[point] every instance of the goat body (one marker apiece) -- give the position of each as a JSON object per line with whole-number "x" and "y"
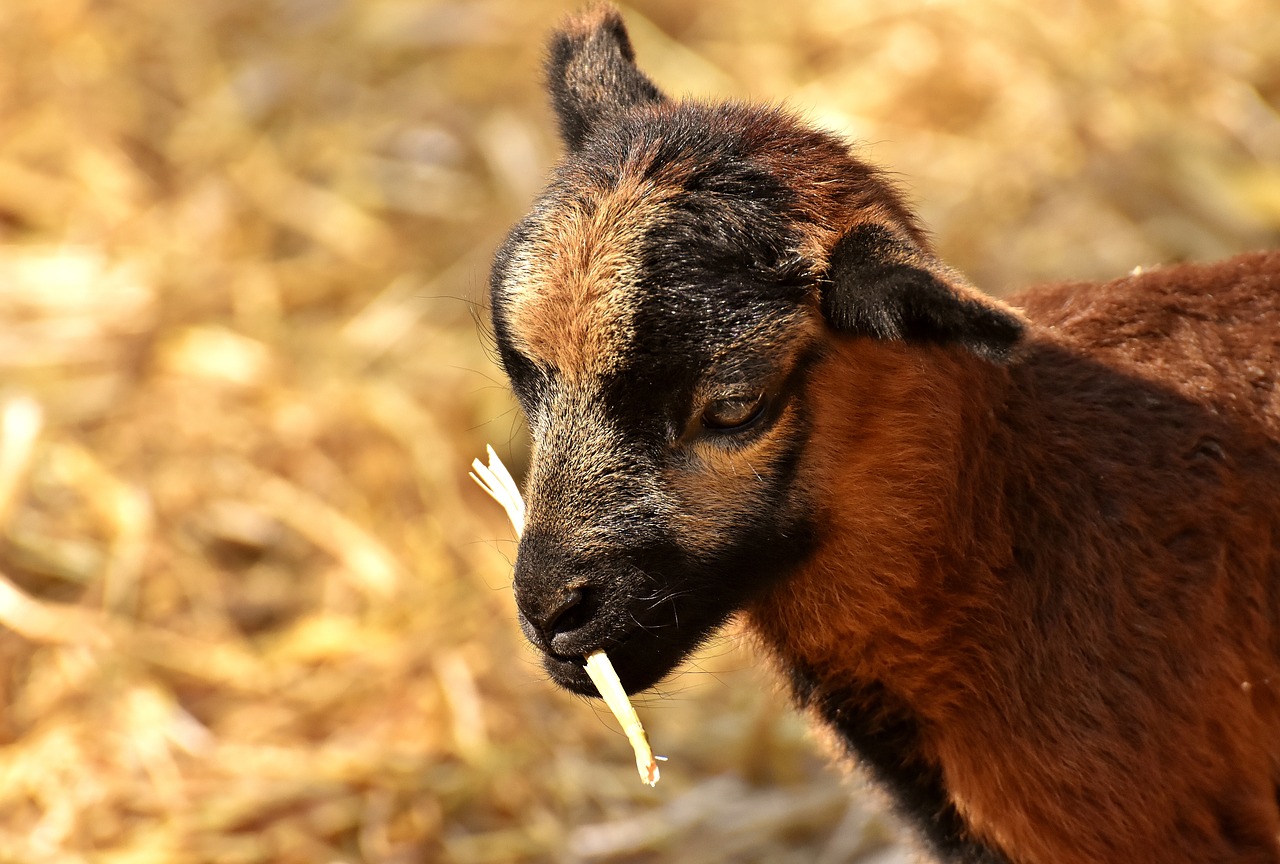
{"x": 1021, "y": 560}
{"x": 1044, "y": 606}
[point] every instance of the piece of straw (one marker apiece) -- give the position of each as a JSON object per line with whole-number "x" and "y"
{"x": 606, "y": 681}
{"x": 496, "y": 480}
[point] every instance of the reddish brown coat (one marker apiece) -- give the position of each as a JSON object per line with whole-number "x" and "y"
{"x": 1067, "y": 568}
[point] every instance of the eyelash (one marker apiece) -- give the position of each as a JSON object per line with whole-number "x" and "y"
{"x": 738, "y": 415}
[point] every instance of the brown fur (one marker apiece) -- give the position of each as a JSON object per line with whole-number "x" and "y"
{"x": 1068, "y": 568}
{"x": 572, "y": 306}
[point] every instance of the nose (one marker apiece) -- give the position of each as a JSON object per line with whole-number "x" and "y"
{"x": 555, "y": 612}
{"x": 554, "y": 594}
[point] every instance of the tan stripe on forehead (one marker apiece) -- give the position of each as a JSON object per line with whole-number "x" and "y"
{"x": 573, "y": 297}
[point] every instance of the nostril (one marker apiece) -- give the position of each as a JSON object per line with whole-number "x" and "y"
{"x": 564, "y": 616}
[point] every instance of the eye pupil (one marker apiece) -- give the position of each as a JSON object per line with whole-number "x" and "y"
{"x": 726, "y": 415}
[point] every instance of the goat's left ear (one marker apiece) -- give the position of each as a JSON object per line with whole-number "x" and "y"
{"x": 882, "y": 285}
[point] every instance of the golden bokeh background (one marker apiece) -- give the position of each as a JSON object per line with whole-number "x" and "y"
{"x": 251, "y": 607}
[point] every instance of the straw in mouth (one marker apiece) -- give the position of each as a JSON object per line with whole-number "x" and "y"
{"x": 497, "y": 481}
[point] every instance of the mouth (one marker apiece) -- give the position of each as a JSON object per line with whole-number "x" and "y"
{"x": 571, "y": 674}
{"x": 641, "y": 658}
{"x": 635, "y": 671}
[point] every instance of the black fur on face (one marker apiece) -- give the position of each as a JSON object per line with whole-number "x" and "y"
{"x": 658, "y": 314}
{"x": 649, "y": 520}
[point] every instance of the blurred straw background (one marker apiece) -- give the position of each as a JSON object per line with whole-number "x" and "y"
{"x": 251, "y": 608}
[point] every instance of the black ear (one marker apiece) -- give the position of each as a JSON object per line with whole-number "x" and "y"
{"x": 881, "y": 285}
{"x": 591, "y": 73}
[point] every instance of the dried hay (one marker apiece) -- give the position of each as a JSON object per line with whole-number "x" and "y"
{"x": 252, "y": 608}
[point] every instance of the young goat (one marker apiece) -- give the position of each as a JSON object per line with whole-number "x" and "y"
{"x": 1023, "y": 560}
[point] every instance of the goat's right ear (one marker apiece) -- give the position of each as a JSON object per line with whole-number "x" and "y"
{"x": 883, "y": 285}
{"x": 592, "y": 73}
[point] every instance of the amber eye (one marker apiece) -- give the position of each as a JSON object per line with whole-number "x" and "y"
{"x": 734, "y": 414}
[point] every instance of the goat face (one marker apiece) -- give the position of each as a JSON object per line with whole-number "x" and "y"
{"x": 659, "y": 314}
{"x": 657, "y": 330}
